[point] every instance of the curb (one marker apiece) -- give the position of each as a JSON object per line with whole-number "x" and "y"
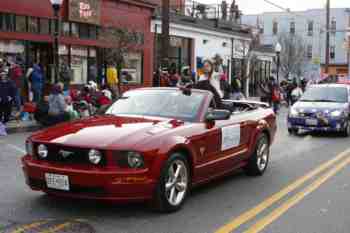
{"x": 13, "y": 130}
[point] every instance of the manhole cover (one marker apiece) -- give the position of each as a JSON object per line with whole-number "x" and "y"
{"x": 51, "y": 226}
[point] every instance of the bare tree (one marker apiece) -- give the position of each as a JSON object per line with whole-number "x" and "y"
{"x": 293, "y": 57}
{"x": 120, "y": 43}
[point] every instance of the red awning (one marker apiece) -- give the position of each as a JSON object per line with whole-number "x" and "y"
{"x": 39, "y": 8}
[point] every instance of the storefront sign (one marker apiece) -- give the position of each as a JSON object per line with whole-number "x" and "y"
{"x": 85, "y": 11}
{"x": 240, "y": 49}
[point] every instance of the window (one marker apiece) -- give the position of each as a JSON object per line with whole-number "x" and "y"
{"x": 332, "y": 52}
{"x": 33, "y": 25}
{"x": 309, "y": 51}
{"x": 65, "y": 30}
{"x": 132, "y": 69}
{"x": 7, "y": 22}
{"x": 261, "y": 30}
{"x": 292, "y": 28}
{"x": 44, "y": 26}
{"x": 333, "y": 25}
{"x": 84, "y": 31}
{"x": 310, "y": 28}
{"x": 21, "y": 23}
{"x": 74, "y": 30}
{"x": 275, "y": 28}
{"x": 93, "y": 32}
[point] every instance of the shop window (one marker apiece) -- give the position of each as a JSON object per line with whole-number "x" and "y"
{"x": 65, "y": 29}
{"x": 79, "y": 64}
{"x": 21, "y": 23}
{"x": 84, "y": 31}
{"x": 74, "y": 30}
{"x": 33, "y": 25}
{"x": 44, "y": 26}
{"x": 132, "y": 69}
{"x": 332, "y": 52}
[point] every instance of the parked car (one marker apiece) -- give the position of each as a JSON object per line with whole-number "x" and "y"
{"x": 152, "y": 144}
{"x": 323, "y": 107}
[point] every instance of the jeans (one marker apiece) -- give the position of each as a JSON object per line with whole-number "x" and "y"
{"x": 36, "y": 95}
{"x": 5, "y": 111}
{"x": 18, "y": 99}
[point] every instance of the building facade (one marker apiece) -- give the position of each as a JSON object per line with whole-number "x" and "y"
{"x": 310, "y": 25}
{"x": 88, "y": 30}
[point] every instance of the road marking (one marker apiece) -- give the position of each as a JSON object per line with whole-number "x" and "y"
{"x": 261, "y": 224}
{"x": 56, "y": 228}
{"x": 250, "y": 214}
{"x": 17, "y": 148}
{"x": 24, "y": 228}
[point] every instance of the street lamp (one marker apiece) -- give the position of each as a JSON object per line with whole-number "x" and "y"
{"x": 278, "y": 49}
{"x": 56, "y": 5}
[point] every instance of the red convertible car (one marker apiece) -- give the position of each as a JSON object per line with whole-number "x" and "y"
{"x": 152, "y": 144}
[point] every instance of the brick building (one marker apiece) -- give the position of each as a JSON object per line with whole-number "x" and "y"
{"x": 26, "y": 29}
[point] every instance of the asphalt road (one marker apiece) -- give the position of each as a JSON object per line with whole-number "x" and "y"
{"x": 287, "y": 199}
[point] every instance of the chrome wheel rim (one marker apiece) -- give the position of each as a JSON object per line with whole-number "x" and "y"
{"x": 263, "y": 155}
{"x": 176, "y": 182}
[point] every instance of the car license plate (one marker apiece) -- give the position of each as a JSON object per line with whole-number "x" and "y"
{"x": 312, "y": 122}
{"x": 54, "y": 181}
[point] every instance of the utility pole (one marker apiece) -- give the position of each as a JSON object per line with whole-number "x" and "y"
{"x": 327, "y": 35}
{"x": 165, "y": 33}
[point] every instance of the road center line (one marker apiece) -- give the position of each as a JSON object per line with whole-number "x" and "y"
{"x": 27, "y": 227}
{"x": 250, "y": 214}
{"x": 56, "y": 228}
{"x": 261, "y": 224}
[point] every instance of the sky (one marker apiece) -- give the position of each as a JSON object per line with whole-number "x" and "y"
{"x": 259, "y": 6}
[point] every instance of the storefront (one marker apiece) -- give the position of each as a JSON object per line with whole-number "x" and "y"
{"x": 26, "y": 29}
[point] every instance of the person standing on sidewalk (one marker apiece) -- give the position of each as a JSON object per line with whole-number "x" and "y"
{"x": 7, "y": 96}
{"x": 36, "y": 80}
{"x": 112, "y": 80}
{"x": 16, "y": 75}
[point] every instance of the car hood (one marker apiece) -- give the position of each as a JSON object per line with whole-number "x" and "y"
{"x": 106, "y": 131}
{"x": 319, "y": 106}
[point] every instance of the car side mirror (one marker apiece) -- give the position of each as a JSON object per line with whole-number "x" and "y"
{"x": 217, "y": 115}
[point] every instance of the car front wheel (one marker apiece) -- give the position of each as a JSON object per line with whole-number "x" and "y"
{"x": 173, "y": 184}
{"x": 260, "y": 158}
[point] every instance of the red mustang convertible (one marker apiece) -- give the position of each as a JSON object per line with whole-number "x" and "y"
{"x": 152, "y": 144}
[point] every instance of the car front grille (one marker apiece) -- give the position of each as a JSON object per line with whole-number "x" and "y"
{"x": 70, "y": 155}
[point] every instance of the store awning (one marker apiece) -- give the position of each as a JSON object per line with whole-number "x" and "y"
{"x": 39, "y": 8}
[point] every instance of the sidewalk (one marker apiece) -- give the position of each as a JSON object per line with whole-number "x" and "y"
{"x": 21, "y": 126}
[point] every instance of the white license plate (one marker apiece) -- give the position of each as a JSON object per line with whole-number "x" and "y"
{"x": 54, "y": 181}
{"x": 312, "y": 122}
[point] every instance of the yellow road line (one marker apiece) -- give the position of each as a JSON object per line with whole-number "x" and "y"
{"x": 260, "y": 225}
{"x": 248, "y": 215}
{"x": 24, "y": 228}
{"x": 56, "y": 228}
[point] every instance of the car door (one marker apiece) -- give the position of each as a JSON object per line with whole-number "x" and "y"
{"x": 222, "y": 146}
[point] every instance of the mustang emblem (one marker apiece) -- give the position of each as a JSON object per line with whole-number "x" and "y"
{"x": 65, "y": 154}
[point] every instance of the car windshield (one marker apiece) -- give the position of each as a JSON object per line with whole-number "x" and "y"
{"x": 325, "y": 94}
{"x": 159, "y": 103}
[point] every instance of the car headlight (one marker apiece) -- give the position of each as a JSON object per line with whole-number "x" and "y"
{"x": 293, "y": 112}
{"x": 135, "y": 160}
{"x": 337, "y": 113}
{"x": 95, "y": 156}
{"x": 29, "y": 147}
{"x": 42, "y": 151}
